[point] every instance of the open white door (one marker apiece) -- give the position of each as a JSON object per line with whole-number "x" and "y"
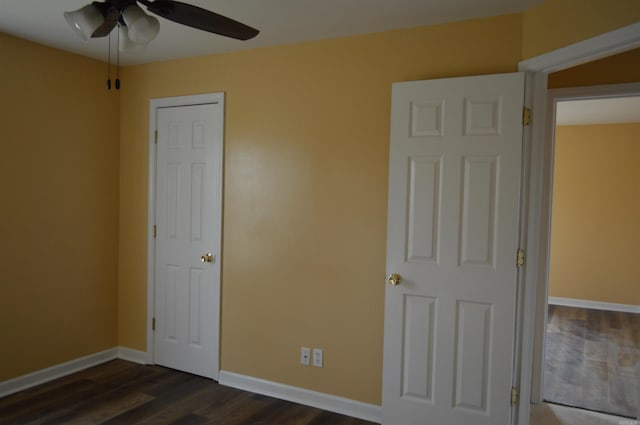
{"x": 454, "y": 195}
{"x": 188, "y": 218}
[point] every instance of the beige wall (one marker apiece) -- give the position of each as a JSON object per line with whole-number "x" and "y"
{"x": 305, "y": 198}
{"x": 616, "y": 69}
{"x": 305, "y": 191}
{"x": 558, "y": 23}
{"x": 596, "y": 205}
{"x": 305, "y": 185}
{"x": 59, "y": 214}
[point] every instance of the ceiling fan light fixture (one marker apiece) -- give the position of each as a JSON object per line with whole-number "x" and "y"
{"x": 126, "y": 44}
{"x": 142, "y": 28}
{"x": 85, "y": 21}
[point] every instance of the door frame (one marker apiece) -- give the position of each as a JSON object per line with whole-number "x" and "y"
{"x": 536, "y": 203}
{"x": 154, "y": 105}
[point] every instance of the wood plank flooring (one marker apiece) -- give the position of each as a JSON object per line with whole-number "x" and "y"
{"x": 592, "y": 358}
{"x": 121, "y": 392}
{"x": 556, "y": 414}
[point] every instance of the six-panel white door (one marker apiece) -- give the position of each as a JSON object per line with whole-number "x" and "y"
{"x": 188, "y": 218}
{"x": 454, "y": 196}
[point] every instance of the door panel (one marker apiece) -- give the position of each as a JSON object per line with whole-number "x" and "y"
{"x": 419, "y": 319}
{"x": 454, "y": 183}
{"x": 424, "y": 209}
{"x": 188, "y": 216}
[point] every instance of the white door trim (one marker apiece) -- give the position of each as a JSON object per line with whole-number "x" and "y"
{"x": 611, "y": 43}
{"x": 537, "y": 202}
{"x": 154, "y": 105}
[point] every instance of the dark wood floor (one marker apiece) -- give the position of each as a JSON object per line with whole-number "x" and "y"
{"x": 592, "y": 358}
{"x": 120, "y": 392}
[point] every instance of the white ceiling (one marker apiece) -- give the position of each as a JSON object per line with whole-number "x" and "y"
{"x": 280, "y": 22}
{"x": 598, "y": 111}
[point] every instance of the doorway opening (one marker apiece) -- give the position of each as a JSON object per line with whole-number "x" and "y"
{"x": 592, "y": 348}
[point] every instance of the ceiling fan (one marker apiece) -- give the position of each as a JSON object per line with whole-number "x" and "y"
{"x": 98, "y": 19}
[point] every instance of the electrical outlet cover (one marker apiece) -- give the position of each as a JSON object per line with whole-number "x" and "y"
{"x": 305, "y": 356}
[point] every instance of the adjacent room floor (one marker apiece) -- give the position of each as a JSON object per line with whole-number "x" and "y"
{"x": 591, "y": 359}
{"x": 554, "y": 414}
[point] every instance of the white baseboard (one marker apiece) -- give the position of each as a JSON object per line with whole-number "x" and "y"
{"x": 597, "y": 305}
{"x": 344, "y": 406}
{"x": 134, "y": 356}
{"x": 54, "y": 372}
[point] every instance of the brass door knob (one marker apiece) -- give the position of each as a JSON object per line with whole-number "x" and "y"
{"x": 394, "y": 279}
{"x": 207, "y": 258}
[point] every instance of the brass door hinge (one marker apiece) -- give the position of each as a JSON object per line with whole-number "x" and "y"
{"x": 515, "y": 396}
{"x": 155, "y": 230}
{"x": 526, "y": 116}
{"x": 519, "y": 258}
{"x": 155, "y": 137}
{"x": 153, "y": 324}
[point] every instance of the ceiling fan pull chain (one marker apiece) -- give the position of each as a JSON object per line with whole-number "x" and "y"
{"x": 118, "y": 61}
{"x": 109, "y": 62}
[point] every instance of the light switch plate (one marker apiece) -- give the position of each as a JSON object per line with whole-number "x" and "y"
{"x": 318, "y": 357}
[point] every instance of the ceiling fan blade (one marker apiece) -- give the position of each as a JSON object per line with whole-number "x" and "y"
{"x": 110, "y": 15}
{"x": 199, "y": 18}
